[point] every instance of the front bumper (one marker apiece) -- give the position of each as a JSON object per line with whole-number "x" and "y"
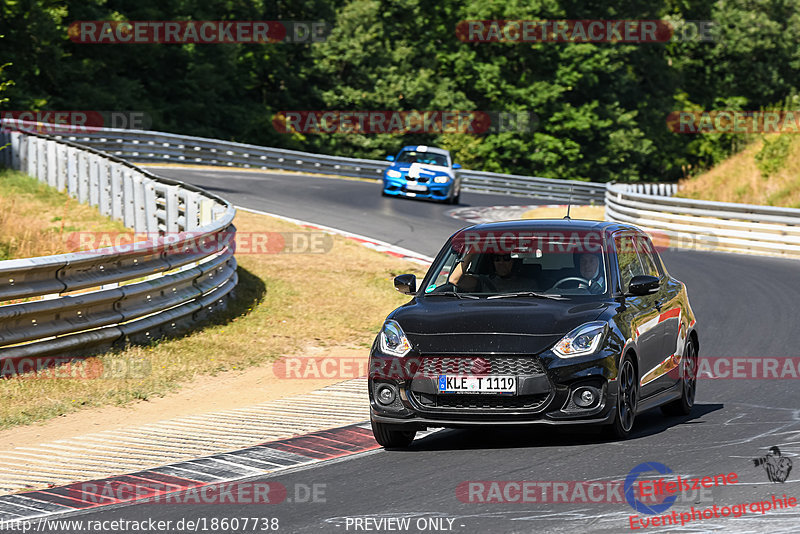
{"x": 545, "y": 390}
{"x": 433, "y": 191}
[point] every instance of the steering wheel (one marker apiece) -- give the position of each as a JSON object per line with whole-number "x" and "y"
{"x": 581, "y": 281}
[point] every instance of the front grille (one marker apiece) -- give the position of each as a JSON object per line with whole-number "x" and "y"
{"x": 482, "y": 365}
{"x": 479, "y": 402}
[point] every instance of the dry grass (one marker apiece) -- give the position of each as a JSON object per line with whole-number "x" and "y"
{"x": 738, "y": 179}
{"x": 36, "y": 220}
{"x": 284, "y": 303}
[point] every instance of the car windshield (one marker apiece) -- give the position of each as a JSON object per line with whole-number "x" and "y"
{"x": 428, "y": 158}
{"x": 511, "y": 265}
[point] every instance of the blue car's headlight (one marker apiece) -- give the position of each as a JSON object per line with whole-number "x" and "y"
{"x": 581, "y": 341}
{"x": 391, "y": 173}
{"x": 441, "y": 179}
{"x": 393, "y": 340}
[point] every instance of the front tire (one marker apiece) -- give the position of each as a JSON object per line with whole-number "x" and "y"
{"x": 683, "y": 406}
{"x": 627, "y": 399}
{"x": 455, "y": 195}
{"x": 390, "y": 437}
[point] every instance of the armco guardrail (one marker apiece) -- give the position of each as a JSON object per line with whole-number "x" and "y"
{"x": 660, "y": 189}
{"x": 157, "y": 147}
{"x": 151, "y": 288}
{"x": 709, "y": 225}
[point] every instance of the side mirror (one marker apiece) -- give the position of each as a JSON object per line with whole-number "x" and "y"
{"x": 389, "y": 158}
{"x": 456, "y": 166}
{"x": 406, "y": 284}
{"x": 643, "y": 284}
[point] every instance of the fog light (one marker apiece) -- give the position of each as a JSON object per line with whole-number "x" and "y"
{"x": 585, "y": 397}
{"x": 386, "y": 394}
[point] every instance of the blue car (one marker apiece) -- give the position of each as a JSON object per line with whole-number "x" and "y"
{"x": 423, "y": 172}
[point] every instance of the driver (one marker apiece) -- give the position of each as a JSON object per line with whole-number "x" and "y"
{"x": 590, "y": 269}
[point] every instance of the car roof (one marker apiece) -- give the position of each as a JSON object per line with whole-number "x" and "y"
{"x": 425, "y": 148}
{"x": 556, "y": 225}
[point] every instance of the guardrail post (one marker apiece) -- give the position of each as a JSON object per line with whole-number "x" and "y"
{"x": 41, "y": 160}
{"x": 52, "y": 167}
{"x": 61, "y": 166}
{"x": 171, "y": 218}
{"x": 15, "y": 150}
{"x": 72, "y": 168}
{"x": 191, "y": 201}
{"x": 104, "y": 188}
{"x": 4, "y": 150}
{"x": 206, "y": 212}
{"x": 23, "y": 153}
{"x": 150, "y": 207}
{"x": 128, "y": 205}
{"x": 116, "y": 198}
{"x": 84, "y": 180}
{"x": 139, "y": 209}
{"x": 30, "y": 153}
{"x": 93, "y": 182}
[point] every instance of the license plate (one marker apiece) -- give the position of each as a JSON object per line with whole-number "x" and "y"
{"x": 478, "y": 384}
{"x": 416, "y": 187}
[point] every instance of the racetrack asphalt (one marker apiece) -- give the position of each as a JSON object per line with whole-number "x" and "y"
{"x": 745, "y": 307}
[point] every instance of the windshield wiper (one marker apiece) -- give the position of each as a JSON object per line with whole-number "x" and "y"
{"x": 453, "y": 293}
{"x": 526, "y": 294}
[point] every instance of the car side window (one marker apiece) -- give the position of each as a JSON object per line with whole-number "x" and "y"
{"x": 628, "y": 259}
{"x": 646, "y": 256}
{"x": 445, "y": 271}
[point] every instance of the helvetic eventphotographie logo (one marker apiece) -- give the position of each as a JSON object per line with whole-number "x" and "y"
{"x": 776, "y": 465}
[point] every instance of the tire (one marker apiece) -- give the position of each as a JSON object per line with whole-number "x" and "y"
{"x": 390, "y": 437}
{"x": 683, "y": 406}
{"x": 627, "y": 399}
{"x": 455, "y": 195}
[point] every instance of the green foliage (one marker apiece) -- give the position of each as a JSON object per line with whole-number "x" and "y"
{"x": 601, "y": 107}
{"x": 772, "y": 156}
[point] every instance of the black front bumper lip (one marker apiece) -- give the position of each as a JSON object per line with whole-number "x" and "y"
{"x": 488, "y": 420}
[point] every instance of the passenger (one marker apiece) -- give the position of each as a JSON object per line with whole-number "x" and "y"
{"x": 502, "y": 278}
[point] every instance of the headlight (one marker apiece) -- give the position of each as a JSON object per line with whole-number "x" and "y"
{"x": 581, "y": 341}
{"x": 393, "y": 340}
{"x": 441, "y": 179}
{"x": 391, "y": 173}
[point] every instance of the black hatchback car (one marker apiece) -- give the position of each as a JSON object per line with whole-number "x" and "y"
{"x": 557, "y": 322}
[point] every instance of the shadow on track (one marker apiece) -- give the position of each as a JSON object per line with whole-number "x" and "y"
{"x": 647, "y": 424}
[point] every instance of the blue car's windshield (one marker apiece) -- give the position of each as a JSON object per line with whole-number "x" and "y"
{"x": 412, "y": 156}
